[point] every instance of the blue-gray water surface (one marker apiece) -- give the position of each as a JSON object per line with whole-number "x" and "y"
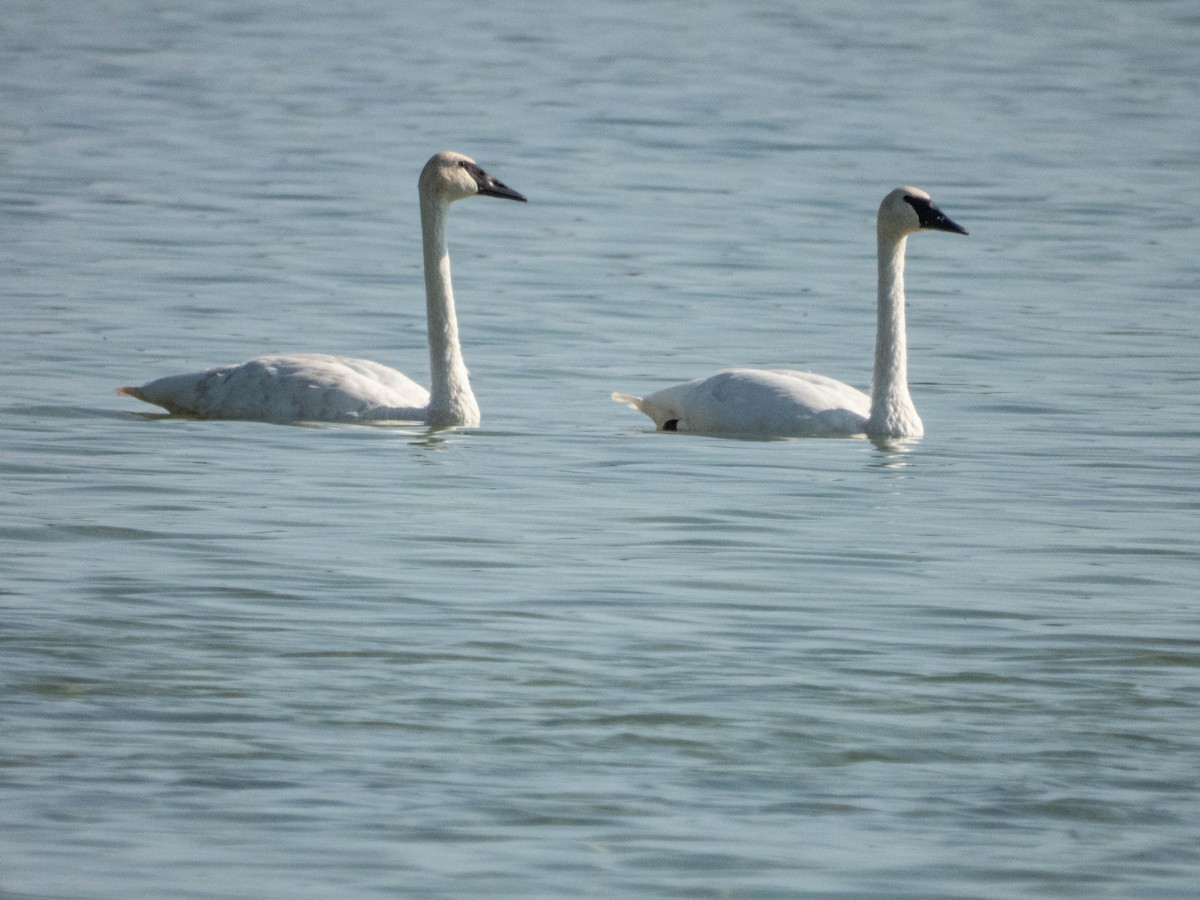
{"x": 563, "y": 655}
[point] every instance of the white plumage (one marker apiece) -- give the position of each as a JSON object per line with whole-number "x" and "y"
{"x": 783, "y": 403}
{"x": 313, "y": 387}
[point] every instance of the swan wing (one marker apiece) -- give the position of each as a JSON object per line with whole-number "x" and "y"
{"x": 778, "y": 403}
{"x": 306, "y": 387}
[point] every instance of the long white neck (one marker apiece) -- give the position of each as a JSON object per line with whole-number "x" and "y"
{"x": 451, "y": 401}
{"x": 892, "y": 410}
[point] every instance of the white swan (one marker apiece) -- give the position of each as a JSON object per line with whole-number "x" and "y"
{"x": 313, "y": 387}
{"x": 780, "y": 403}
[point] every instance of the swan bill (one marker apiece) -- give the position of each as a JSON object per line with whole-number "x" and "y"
{"x": 499, "y": 189}
{"x": 932, "y": 218}
{"x": 488, "y": 186}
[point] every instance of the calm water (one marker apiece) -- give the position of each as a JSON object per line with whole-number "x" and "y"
{"x": 563, "y": 655}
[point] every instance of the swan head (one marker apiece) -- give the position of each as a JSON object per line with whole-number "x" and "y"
{"x": 908, "y": 209}
{"x": 451, "y": 176}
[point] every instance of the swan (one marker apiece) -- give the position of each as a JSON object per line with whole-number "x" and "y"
{"x": 781, "y": 403}
{"x": 314, "y": 387}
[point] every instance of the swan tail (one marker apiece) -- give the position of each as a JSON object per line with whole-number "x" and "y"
{"x": 629, "y": 400}
{"x": 664, "y": 418}
{"x": 140, "y": 393}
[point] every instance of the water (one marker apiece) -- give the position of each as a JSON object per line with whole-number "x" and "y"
{"x": 563, "y": 655}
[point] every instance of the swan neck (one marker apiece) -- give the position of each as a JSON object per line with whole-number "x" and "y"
{"x": 451, "y": 401}
{"x": 892, "y": 409}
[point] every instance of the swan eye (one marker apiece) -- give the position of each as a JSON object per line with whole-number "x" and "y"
{"x": 924, "y": 209}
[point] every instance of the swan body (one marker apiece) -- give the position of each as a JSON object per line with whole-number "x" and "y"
{"x": 784, "y": 403}
{"x": 312, "y": 387}
{"x": 757, "y": 401}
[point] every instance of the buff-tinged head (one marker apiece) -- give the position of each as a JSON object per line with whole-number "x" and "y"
{"x": 451, "y": 176}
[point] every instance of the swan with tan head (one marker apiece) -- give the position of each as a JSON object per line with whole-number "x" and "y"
{"x": 784, "y": 403}
{"x": 312, "y": 387}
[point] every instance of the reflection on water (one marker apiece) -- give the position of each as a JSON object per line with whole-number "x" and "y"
{"x": 893, "y": 452}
